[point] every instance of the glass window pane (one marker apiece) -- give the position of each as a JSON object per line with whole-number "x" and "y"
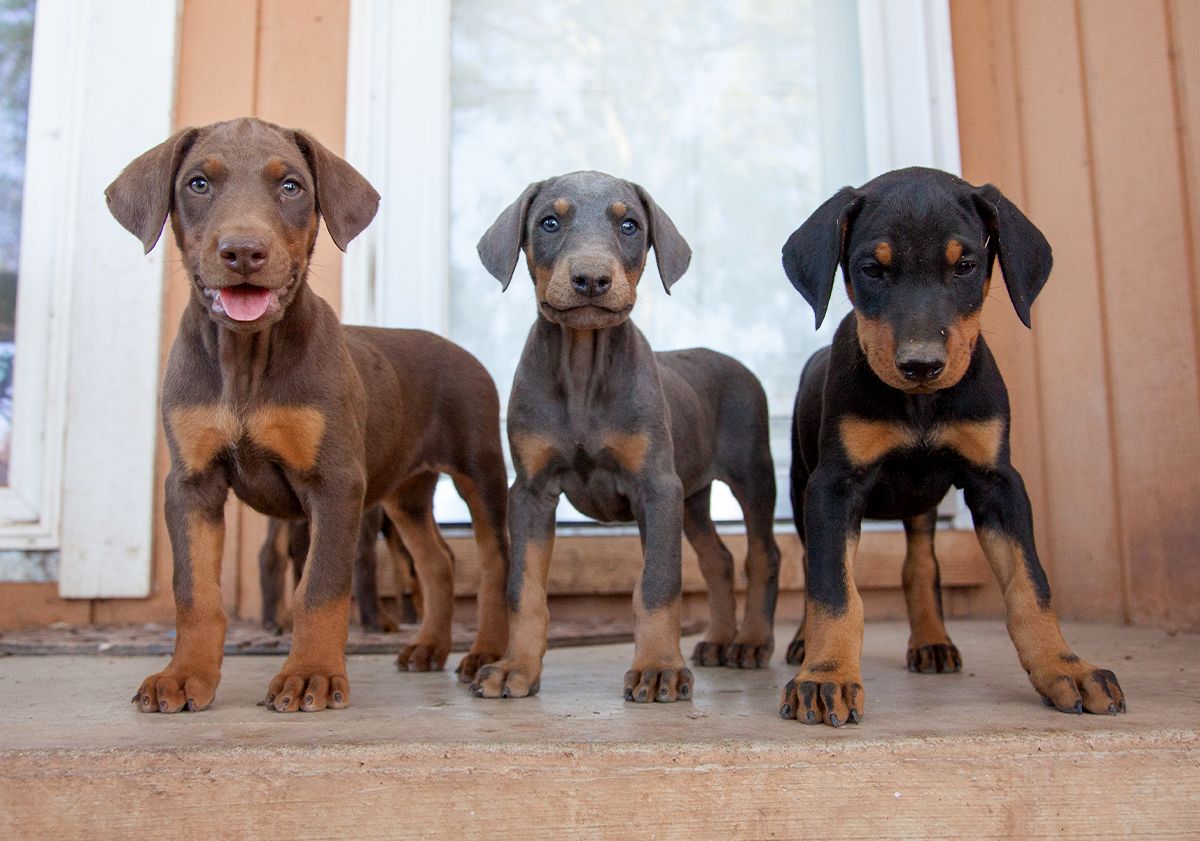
{"x": 16, "y": 51}
{"x": 722, "y": 116}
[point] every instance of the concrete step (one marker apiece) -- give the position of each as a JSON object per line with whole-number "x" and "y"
{"x": 971, "y": 755}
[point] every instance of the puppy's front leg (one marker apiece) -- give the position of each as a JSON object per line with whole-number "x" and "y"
{"x": 531, "y": 509}
{"x": 1004, "y": 524}
{"x": 195, "y": 509}
{"x": 314, "y": 675}
{"x": 828, "y": 686}
{"x": 658, "y": 672}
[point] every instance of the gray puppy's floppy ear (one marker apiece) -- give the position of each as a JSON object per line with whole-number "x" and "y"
{"x": 141, "y": 196}
{"x": 500, "y": 247}
{"x": 345, "y": 199}
{"x": 671, "y": 251}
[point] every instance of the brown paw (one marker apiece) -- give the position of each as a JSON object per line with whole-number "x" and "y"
{"x": 795, "y": 652}
{"x": 507, "y": 678}
{"x": 308, "y": 690}
{"x": 934, "y": 659}
{"x": 664, "y": 685}
{"x": 749, "y": 654}
{"x": 833, "y": 697}
{"x": 470, "y": 665}
{"x": 421, "y": 657}
{"x": 708, "y": 653}
{"x": 1075, "y": 686}
{"x": 172, "y": 690}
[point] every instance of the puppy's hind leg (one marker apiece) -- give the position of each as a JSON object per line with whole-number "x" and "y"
{"x": 716, "y": 563}
{"x": 929, "y": 647}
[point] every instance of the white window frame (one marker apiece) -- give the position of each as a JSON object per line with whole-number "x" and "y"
{"x": 398, "y": 136}
{"x": 89, "y": 305}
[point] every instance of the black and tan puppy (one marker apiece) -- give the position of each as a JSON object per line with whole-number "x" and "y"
{"x": 266, "y": 393}
{"x": 626, "y": 434}
{"x": 905, "y": 403}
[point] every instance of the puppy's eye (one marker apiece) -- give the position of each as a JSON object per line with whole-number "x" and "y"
{"x": 198, "y": 185}
{"x": 549, "y": 224}
{"x": 291, "y": 187}
{"x": 629, "y": 227}
{"x": 871, "y": 269}
{"x": 964, "y": 267}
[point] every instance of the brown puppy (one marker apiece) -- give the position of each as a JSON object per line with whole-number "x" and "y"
{"x": 267, "y": 394}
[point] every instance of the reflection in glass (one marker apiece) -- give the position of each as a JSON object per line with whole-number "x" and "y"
{"x": 16, "y": 51}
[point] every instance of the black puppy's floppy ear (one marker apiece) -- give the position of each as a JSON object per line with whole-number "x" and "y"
{"x": 1025, "y": 256}
{"x": 140, "y": 197}
{"x": 672, "y": 254}
{"x": 814, "y": 251}
{"x": 500, "y": 246}
{"x": 345, "y": 199}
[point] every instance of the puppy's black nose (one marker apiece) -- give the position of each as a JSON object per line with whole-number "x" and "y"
{"x": 244, "y": 255}
{"x": 591, "y": 284}
{"x": 920, "y": 369}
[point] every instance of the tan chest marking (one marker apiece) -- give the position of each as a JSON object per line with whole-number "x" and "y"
{"x": 976, "y": 441}
{"x": 293, "y": 433}
{"x": 200, "y": 432}
{"x": 532, "y": 452}
{"x": 628, "y": 448}
{"x": 867, "y": 441}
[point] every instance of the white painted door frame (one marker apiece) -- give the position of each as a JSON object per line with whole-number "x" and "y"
{"x": 89, "y": 307}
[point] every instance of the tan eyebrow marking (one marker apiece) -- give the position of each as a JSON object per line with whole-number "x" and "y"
{"x": 561, "y": 206}
{"x": 883, "y": 254}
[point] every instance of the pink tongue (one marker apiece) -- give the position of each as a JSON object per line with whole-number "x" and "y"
{"x": 245, "y": 302}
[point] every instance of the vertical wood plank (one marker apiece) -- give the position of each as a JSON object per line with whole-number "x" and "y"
{"x": 1185, "y": 53}
{"x": 1150, "y": 329}
{"x": 1079, "y": 537}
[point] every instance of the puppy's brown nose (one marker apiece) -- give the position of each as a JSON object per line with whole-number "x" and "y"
{"x": 921, "y": 361}
{"x": 591, "y": 283}
{"x": 244, "y": 255}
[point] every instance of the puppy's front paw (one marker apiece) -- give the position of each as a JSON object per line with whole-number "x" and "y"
{"x": 643, "y": 685}
{"x": 1072, "y": 685}
{"x": 830, "y": 694}
{"x": 176, "y": 688}
{"x": 507, "y": 678}
{"x": 934, "y": 659}
{"x": 309, "y": 688}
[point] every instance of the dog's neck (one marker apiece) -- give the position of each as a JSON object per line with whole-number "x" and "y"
{"x": 246, "y": 359}
{"x": 583, "y": 360}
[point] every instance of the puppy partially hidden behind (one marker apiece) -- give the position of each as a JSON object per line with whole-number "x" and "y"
{"x": 626, "y": 434}
{"x": 266, "y": 393}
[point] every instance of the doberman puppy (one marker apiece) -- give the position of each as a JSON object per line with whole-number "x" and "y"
{"x": 266, "y": 393}
{"x": 906, "y": 402}
{"x": 626, "y": 434}
{"x": 287, "y": 542}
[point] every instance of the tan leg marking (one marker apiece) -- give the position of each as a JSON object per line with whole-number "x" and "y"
{"x": 976, "y": 441}
{"x": 1070, "y": 684}
{"x": 828, "y": 688}
{"x": 314, "y": 675}
{"x": 491, "y": 639}
{"x": 200, "y": 432}
{"x": 192, "y": 676}
{"x": 435, "y": 570}
{"x": 293, "y": 433}
{"x": 628, "y": 448}
{"x": 658, "y": 672}
{"x": 867, "y": 441}
{"x": 929, "y": 645}
{"x": 533, "y": 452}
{"x": 519, "y": 672}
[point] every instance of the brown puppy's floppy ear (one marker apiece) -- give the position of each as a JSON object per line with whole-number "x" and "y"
{"x": 501, "y": 245}
{"x": 1025, "y": 256}
{"x": 671, "y": 251}
{"x": 141, "y": 196}
{"x": 814, "y": 251}
{"x": 346, "y": 201}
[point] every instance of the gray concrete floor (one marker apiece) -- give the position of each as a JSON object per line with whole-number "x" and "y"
{"x": 82, "y": 703}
